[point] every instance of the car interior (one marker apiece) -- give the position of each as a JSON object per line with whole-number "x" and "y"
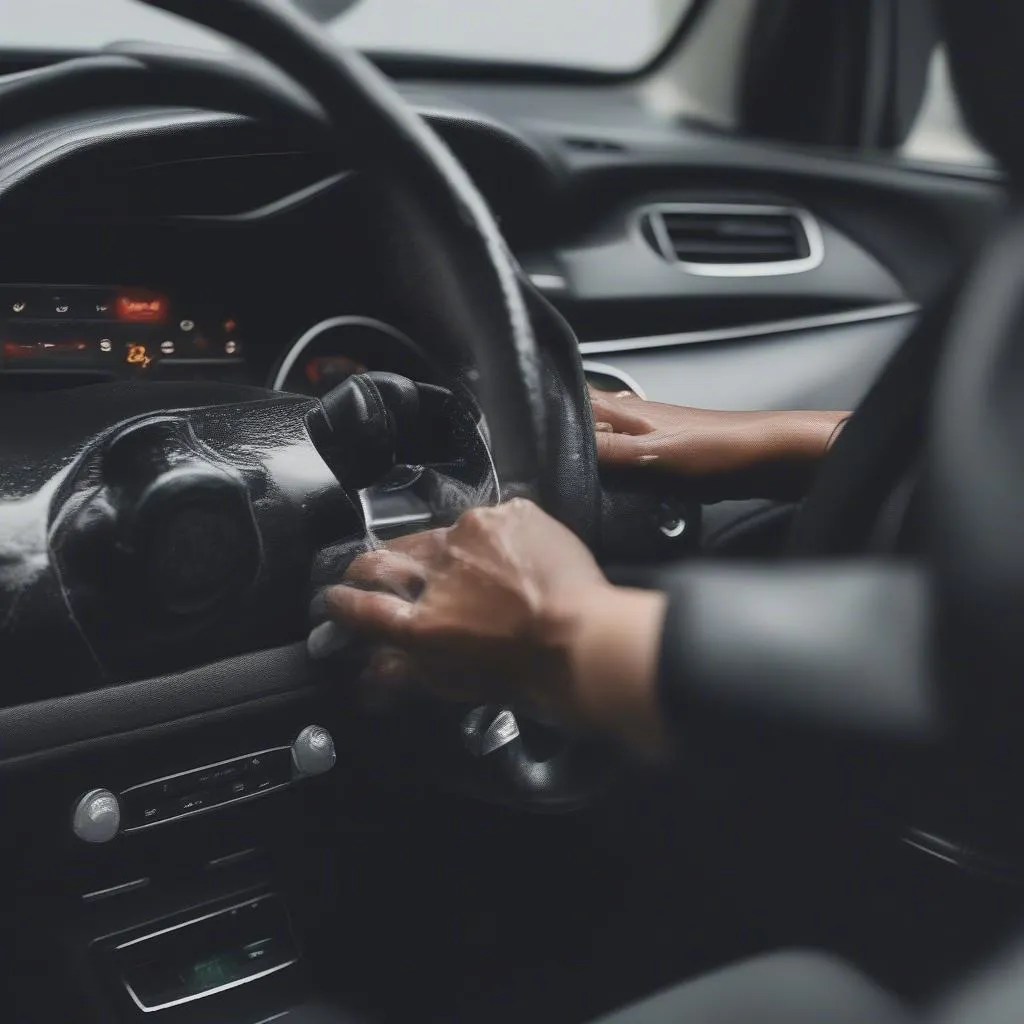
{"x": 201, "y": 253}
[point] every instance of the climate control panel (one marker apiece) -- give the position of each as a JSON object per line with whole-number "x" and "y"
{"x": 203, "y": 789}
{"x": 100, "y": 815}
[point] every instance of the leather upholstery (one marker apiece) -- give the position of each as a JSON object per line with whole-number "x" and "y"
{"x": 976, "y": 493}
{"x": 983, "y": 41}
{"x": 786, "y": 988}
{"x": 380, "y": 420}
{"x": 571, "y": 491}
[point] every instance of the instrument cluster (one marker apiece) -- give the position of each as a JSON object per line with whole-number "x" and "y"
{"x": 110, "y": 332}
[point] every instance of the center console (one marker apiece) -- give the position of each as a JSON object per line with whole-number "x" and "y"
{"x": 201, "y": 956}
{"x": 217, "y": 929}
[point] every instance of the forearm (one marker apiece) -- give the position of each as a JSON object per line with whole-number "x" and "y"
{"x": 715, "y": 454}
{"x": 614, "y": 665}
{"x": 763, "y": 454}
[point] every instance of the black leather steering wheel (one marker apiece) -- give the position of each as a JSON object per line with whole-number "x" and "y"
{"x": 148, "y": 529}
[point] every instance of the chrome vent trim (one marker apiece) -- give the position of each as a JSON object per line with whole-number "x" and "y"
{"x": 650, "y": 223}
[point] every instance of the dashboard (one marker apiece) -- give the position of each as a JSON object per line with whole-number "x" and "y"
{"x": 60, "y": 335}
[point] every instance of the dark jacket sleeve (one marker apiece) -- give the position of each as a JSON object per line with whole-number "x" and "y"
{"x": 835, "y": 654}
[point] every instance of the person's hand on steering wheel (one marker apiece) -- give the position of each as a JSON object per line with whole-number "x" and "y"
{"x": 717, "y": 455}
{"x": 509, "y": 606}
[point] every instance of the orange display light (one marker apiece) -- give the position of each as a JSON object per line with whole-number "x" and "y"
{"x": 138, "y": 356}
{"x": 142, "y": 309}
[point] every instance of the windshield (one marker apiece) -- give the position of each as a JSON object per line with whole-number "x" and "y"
{"x": 602, "y": 35}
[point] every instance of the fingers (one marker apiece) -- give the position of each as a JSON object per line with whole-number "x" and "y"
{"x": 370, "y": 613}
{"x": 622, "y": 415}
{"x": 624, "y": 450}
{"x": 599, "y": 394}
{"x": 427, "y": 547}
{"x": 391, "y": 571}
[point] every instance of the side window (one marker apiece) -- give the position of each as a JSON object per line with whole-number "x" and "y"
{"x": 939, "y": 132}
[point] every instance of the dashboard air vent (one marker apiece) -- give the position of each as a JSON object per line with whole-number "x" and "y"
{"x": 734, "y": 240}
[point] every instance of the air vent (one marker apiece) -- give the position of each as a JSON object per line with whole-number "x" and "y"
{"x": 734, "y": 240}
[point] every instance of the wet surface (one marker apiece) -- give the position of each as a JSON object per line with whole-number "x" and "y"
{"x": 84, "y": 577}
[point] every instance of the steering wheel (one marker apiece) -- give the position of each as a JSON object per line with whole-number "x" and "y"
{"x": 147, "y": 529}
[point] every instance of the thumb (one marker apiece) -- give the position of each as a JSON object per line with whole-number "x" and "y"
{"x": 369, "y": 613}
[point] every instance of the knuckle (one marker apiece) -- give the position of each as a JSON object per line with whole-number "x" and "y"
{"x": 521, "y": 506}
{"x": 475, "y": 520}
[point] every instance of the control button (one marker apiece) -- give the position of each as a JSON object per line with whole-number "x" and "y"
{"x": 151, "y": 813}
{"x": 19, "y": 306}
{"x": 673, "y": 528}
{"x": 486, "y": 730}
{"x": 193, "y": 802}
{"x": 144, "y": 309}
{"x": 138, "y": 356}
{"x": 215, "y": 776}
{"x": 263, "y": 952}
{"x": 226, "y": 792}
{"x": 169, "y": 788}
{"x": 97, "y": 817}
{"x": 671, "y": 521}
{"x": 313, "y": 751}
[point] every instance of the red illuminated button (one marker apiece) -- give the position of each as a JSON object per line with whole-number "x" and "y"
{"x": 141, "y": 308}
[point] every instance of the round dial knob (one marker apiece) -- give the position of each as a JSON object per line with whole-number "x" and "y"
{"x": 96, "y": 817}
{"x": 313, "y": 751}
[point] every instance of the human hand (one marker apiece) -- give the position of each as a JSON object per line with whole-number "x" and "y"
{"x": 719, "y": 454}
{"x": 509, "y": 606}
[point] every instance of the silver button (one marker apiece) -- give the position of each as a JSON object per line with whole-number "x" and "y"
{"x": 313, "y": 751}
{"x": 97, "y": 817}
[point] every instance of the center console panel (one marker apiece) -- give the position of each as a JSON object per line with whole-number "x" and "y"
{"x": 212, "y": 897}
